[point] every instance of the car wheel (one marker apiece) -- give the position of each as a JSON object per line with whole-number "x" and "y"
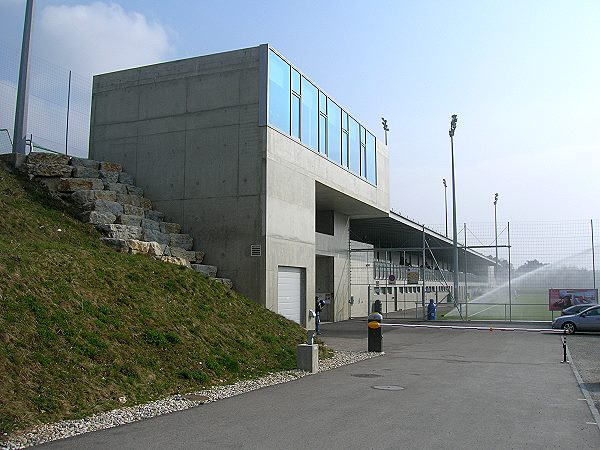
{"x": 569, "y": 328}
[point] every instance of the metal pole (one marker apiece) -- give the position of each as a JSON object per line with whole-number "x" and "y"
{"x": 386, "y": 298}
{"x": 20, "y": 129}
{"x": 509, "y": 278}
{"x": 68, "y": 106}
{"x": 496, "y": 234}
{"x": 405, "y": 280}
{"x": 466, "y": 281}
{"x": 350, "y": 269}
{"x": 423, "y": 283}
{"x": 455, "y": 231}
{"x": 446, "y": 203}
{"x": 593, "y": 254}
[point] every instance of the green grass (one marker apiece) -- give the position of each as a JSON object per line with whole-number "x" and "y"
{"x": 528, "y": 304}
{"x": 82, "y": 325}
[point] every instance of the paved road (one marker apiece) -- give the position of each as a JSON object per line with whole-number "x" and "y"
{"x": 455, "y": 389}
{"x": 585, "y": 351}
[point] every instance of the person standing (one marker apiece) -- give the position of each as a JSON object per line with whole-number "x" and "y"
{"x": 319, "y": 305}
{"x": 431, "y": 310}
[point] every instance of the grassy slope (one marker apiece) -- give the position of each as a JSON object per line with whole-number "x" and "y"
{"x": 82, "y": 325}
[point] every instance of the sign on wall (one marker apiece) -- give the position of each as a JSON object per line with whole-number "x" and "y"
{"x": 559, "y": 299}
{"x": 412, "y": 276}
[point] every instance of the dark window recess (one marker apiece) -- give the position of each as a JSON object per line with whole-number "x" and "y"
{"x": 324, "y": 222}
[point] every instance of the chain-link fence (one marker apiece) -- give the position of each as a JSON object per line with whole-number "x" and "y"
{"x": 59, "y": 104}
{"x": 506, "y": 272}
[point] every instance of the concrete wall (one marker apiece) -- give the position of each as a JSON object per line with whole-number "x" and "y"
{"x": 188, "y": 132}
{"x": 292, "y": 171}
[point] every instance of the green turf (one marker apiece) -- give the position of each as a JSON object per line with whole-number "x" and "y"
{"x": 526, "y": 304}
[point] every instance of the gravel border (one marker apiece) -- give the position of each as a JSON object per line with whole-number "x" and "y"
{"x": 60, "y": 430}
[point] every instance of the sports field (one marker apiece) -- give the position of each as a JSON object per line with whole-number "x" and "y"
{"x": 529, "y": 304}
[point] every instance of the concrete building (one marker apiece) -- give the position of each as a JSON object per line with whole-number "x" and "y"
{"x": 264, "y": 169}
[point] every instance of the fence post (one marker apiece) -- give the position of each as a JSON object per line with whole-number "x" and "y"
{"x": 68, "y": 107}
{"x": 466, "y": 281}
{"x": 509, "y": 277}
{"x": 593, "y": 253}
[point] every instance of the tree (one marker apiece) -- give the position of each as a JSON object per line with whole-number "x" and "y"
{"x": 530, "y": 266}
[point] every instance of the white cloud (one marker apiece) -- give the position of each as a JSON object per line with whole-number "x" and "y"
{"x": 97, "y": 38}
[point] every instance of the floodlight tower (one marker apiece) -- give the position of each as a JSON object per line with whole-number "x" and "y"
{"x": 385, "y": 128}
{"x": 454, "y": 230}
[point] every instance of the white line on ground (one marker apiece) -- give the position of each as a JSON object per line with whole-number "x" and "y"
{"x": 483, "y": 310}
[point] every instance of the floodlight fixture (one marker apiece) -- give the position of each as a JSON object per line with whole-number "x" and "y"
{"x": 385, "y": 128}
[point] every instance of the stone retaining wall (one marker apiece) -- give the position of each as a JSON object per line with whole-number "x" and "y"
{"x": 108, "y": 198}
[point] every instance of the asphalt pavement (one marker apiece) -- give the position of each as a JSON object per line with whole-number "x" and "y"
{"x": 433, "y": 389}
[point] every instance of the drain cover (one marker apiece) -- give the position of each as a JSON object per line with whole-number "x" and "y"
{"x": 366, "y": 375}
{"x": 388, "y": 388}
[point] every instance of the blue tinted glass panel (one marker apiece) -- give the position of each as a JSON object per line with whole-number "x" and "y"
{"x": 354, "y": 153}
{"x": 295, "y": 81}
{"x": 362, "y": 152}
{"x": 295, "y": 116}
{"x": 345, "y": 149}
{"x": 334, "y": 121}
{"x": 322, "y": 103}
{"x": 345, "y": 120}
{"x": 371, "y": 160}
{"x": 363, "y": 161}
{"x": 310, "y": 115}
{"x": 322, "y": 134}
{"x": 279, "y": 93}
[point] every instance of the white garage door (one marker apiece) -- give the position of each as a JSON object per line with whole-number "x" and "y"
{"x": 289, "y": 292}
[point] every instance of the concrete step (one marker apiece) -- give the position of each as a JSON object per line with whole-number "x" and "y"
{"x": 210, "y": 271}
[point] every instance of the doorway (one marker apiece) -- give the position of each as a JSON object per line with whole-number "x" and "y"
{"x": 324, "y": 285}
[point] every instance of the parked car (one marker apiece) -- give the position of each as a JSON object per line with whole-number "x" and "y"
{"x": 575, "y": 309}
{"x": 588, "y": 320}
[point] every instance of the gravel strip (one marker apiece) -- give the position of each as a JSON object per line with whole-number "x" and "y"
{"x": 121, "y": 416}
{"x": 585, "y": 351}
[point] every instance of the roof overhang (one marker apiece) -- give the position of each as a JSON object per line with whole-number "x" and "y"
{"x": 397, "y": 233}
{"x": 327, "y": 198}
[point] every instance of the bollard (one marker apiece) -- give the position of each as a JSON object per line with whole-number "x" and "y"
{"x": 564, "y": 342}
{"x": 375, "y": 333}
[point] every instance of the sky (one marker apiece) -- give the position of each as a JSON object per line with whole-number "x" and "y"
{"x": 523, "y": 77}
